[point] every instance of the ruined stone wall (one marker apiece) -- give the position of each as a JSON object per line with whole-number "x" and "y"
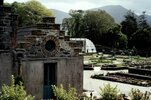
{"x": 32, "y": 72}
{"x": 8, "y": 27}
{"x": 69, "y": 71}
{"x": 5, "y": 67}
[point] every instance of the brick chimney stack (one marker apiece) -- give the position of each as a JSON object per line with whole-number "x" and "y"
{"x": 1, "y": 2}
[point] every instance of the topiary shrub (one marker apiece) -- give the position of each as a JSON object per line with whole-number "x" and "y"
{"x": 14, "y": 92}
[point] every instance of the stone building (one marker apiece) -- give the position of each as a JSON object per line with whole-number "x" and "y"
{"x": 43, "y": 56}
{"x": 8, "y": 27}
{"x": 8, "y": 41}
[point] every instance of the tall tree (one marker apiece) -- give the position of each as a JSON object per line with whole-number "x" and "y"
{"x": 96, "y": 25}
{"x": 74, "y": 24}
{"x": 89, "y": 24}
{"x": 142, "y": 21}
{"x": 115, "y": 38}
{"x": 142, "y": 37}
{"x": 129, "y": 26}
{"x": 30, "y": 12}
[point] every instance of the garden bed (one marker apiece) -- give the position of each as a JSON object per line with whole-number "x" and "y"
{"x": 140, "y": 71}
{"x": 126, "y": 78}
{"x": 113, "y": 68}
{"x": 88, "y": 67}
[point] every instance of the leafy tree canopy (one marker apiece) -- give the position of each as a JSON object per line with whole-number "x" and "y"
{"x": 30, "y": 12}
{"x": 97, "y": 26}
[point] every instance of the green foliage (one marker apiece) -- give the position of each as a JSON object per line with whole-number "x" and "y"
{"x": 108, "y": 92}
{"x": 62, "y": 94}
{"x": 116, "y": 38}
{"x": 14, "y": 92}
{"x": 136, "y": 94}
{"x": 88, "y": 24}
{"x": 30, "y": 12}
{"x": 142, "y": 38}
{"x": 129, "y": 25}
{"x": 142, "y": 21}
{"x": 98, "y": 26}
{"x": 74, "y": 25}
{"x": 19, "y": 79}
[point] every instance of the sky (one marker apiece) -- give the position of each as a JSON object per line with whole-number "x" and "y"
{"x": 65, "y": 5}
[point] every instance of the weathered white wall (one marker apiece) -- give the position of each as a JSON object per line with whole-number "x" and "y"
{"x": 69, "y": 71}
{"x": 32, "y": 72}
{"x": 5, "y": 68}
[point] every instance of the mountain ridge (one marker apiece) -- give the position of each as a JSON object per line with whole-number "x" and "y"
{"x": 116, "y": 11}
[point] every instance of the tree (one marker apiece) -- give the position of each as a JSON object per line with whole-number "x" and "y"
{"x": 74, "y": 24}
{"x": 30, "y": 12}
{"x": 142, "y": 21}
{"x": 141, "y": 39}
{"x": 96, "y": 24}
{"x": 88, "y": 24}
{"x": 129, "y": 26}
{"x": 115, "y": 38}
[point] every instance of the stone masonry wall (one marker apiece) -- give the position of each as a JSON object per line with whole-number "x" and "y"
{"x": 5, "y": 68}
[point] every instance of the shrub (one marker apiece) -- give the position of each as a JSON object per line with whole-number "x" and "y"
{"x": 14, "y": 92}
{"x": 108, "y": 92}
{"x": 136, "y": 94}
{"x": 61, "y": 94}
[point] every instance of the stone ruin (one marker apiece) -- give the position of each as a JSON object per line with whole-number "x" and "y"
{"x": 8, "y": 27}
{"x": 42, "y": 55}
{"x": 47, "y": 40}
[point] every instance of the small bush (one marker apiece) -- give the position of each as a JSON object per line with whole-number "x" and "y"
{"x": 136, "y": 94}
{"x": 108, "y": 92}
{"x": 14, "y": 92}
{"x": 61, "y": 94}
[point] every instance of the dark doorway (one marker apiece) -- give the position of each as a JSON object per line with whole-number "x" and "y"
{"x": 49, "y": 79}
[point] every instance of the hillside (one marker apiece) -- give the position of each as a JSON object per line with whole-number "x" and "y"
{"x": 60, "y": 15}
{"x": 116, "y": 11}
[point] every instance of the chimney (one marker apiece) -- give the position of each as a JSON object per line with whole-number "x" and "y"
{"x": 1, "y": 2}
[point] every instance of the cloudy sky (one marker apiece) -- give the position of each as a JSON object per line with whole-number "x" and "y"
{"x": 65, "y": 5}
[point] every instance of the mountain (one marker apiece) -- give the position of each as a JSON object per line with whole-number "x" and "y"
{"x": 148, "y": 18}
{"x": 60, "y": 15}
{"x": 116, "y": 11}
